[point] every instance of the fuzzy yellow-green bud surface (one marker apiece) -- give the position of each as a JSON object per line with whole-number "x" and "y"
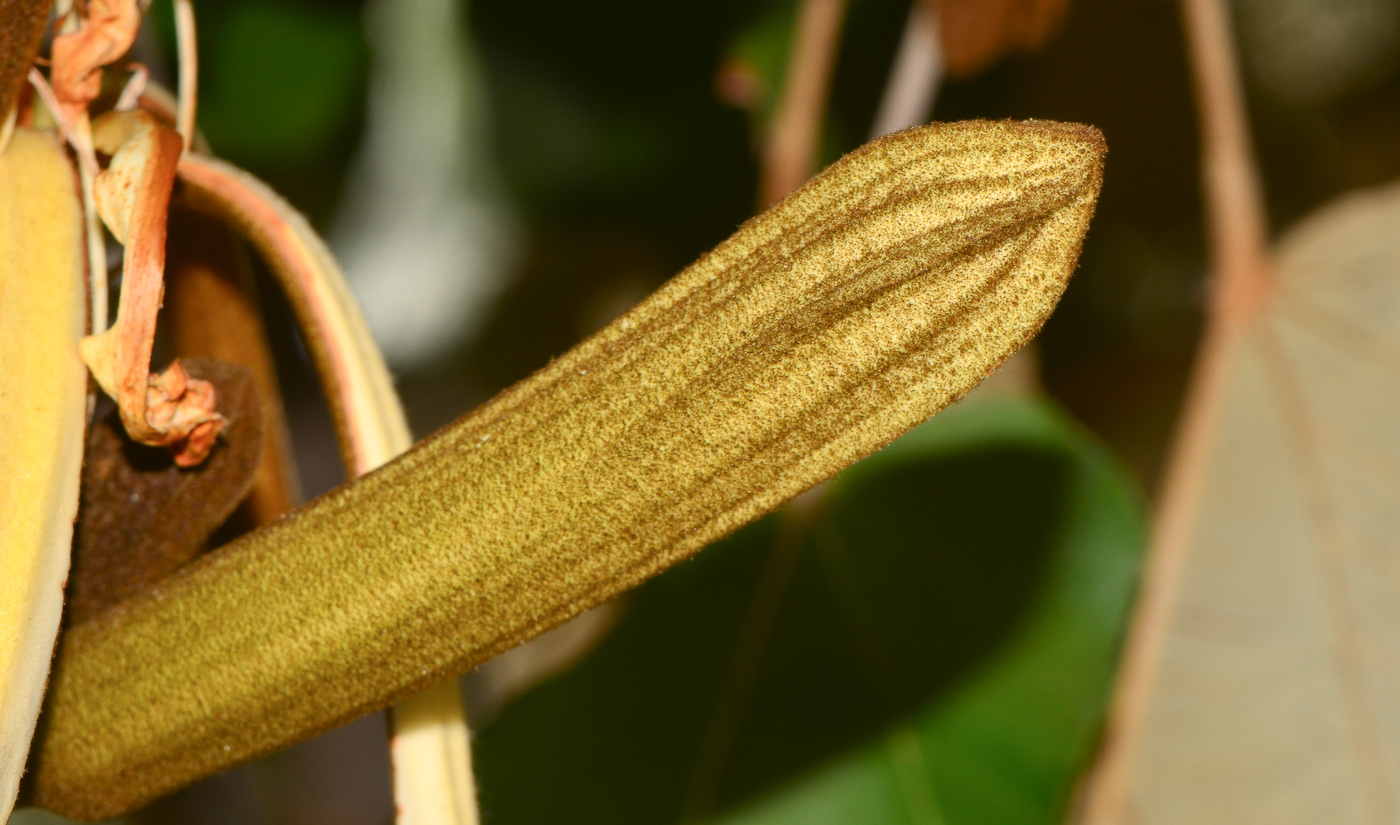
{"x": 871, "y": 298}
{"x": 43, "y": 402}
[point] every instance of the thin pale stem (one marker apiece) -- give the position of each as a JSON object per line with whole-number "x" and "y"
{"x": 78, "y": 133}
{"x": 189, "y": 70}
{"x": 7, "y": 131}
{"x": 1240, "y": 280}
{"x": 790, "y": 156}
{"x": 134, "y": 88}
{"x": 915, "y": 76}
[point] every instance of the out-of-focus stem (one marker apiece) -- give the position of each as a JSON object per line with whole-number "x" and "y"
{"x": 97, "y": 256}
{"x": 1240, "y": 280}
{"x": 790, "y": 155}
{"x": 915, "y": 76}
{"x": 133, "y": 90}
{"x": 7, "y": 131}
{"x": 189, "y": 70}
{"x": 1236, "y": 220}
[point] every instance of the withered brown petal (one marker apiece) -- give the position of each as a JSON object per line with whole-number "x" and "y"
{"x": 875, "y": 295}
{"x": 140, "y": 516}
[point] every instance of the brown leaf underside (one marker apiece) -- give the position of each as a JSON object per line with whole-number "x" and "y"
{"x": 872, "y": 297}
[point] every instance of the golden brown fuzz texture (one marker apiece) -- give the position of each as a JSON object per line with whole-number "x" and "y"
{"x": 141, "y": 517}
{"x": 874, "y": 296}
{"x": 21, "y": 30}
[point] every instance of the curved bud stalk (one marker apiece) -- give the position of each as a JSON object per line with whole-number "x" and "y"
{"x": 428, "y": 744}
{"x": 43, "y": 406}
{"x": 790, "y": 151}
{"x": 874, "y": 296}
{"x": 369, "y": 422}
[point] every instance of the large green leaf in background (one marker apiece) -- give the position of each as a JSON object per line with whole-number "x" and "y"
{"x": 282, "y": 80}
{"x": 933, "y": 643}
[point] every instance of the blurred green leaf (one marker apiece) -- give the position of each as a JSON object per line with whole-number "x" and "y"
{"x": 279, "y": 82}
{"x": 751, "y": 74}
{"x": 933, "y": 644}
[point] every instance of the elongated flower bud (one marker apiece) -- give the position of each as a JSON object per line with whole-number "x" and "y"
{"x": 874, "y": 296}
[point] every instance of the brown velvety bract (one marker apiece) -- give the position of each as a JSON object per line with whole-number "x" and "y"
{"x": 977, "y": 33}
{"x": 875, "y": 295}
{"x": 140, "y": 516}
{"x": 21, "y": 30}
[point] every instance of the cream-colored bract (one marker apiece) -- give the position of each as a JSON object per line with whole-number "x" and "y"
{"x": 43, "y": 404}
{"x": 1277, "y": 690}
